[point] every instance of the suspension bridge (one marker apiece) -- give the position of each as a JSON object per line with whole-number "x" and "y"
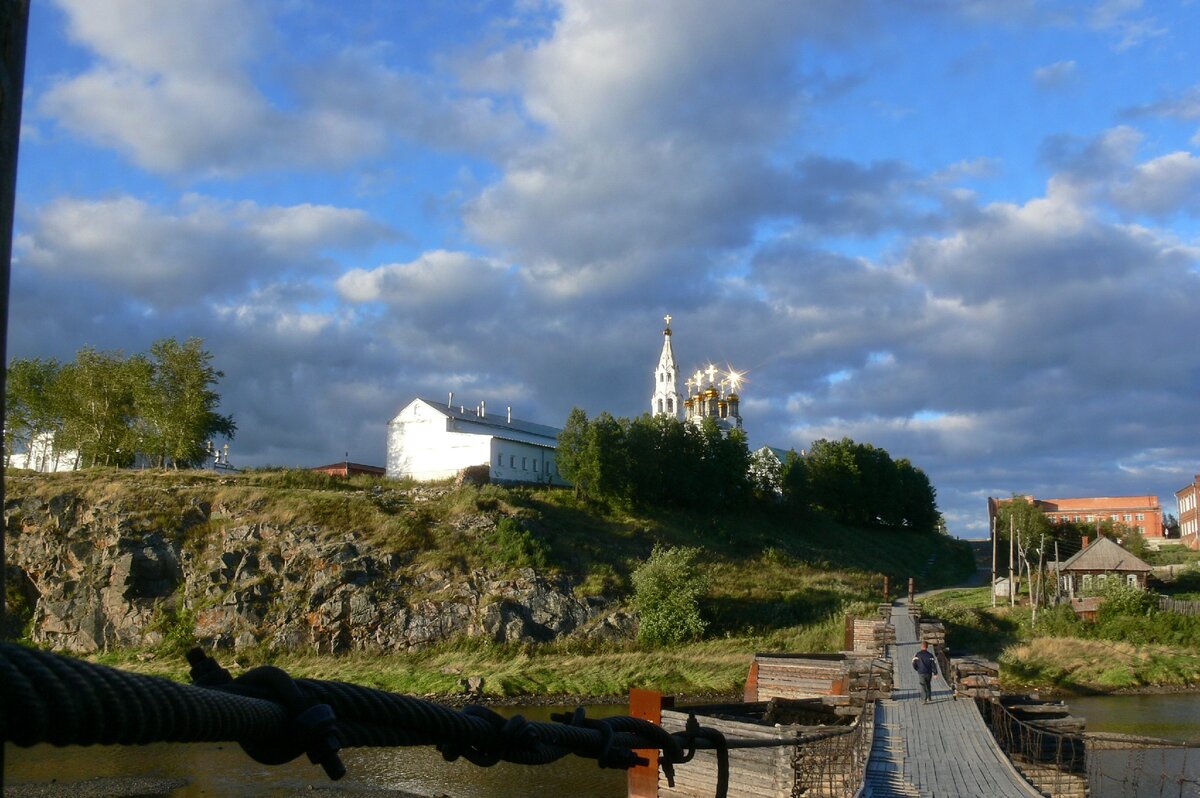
{"x": 943, "y": 748}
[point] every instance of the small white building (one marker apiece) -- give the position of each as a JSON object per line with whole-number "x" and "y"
{"x": 430, "y": 440}
{"x": 43, "y": 456}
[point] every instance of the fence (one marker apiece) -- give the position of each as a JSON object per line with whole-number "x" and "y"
{"x": 1056, "y": 764}
{"x": 1180, "y": 607}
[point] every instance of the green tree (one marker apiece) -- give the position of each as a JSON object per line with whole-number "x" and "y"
{"x": 176, "y": 404}
{"x": 666, "y": 592}
{"x": 31, "y": 402}
{"x": 794, "y": 482}
{"x": 97, "y": 391}
{"x": 609, "y": 457}
{"x": 572, "y": 455}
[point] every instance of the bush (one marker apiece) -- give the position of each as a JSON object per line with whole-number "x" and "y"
{"x": 666, "y": 592}
{"x": 517, "y": 547}
{"x": 1123, "y": 599}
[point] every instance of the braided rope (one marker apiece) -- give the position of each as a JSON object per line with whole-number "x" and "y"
{"x": 50, "y": 698}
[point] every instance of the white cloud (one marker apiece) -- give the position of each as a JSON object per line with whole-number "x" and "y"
{"x": 206, "y": 249}
{"x": 439, "y": 288}
{"x": 1054, "y": 75}
{"x": 177, "y": 88}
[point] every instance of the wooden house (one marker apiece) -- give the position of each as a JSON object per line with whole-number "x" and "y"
{"x": 1097, "y": 564}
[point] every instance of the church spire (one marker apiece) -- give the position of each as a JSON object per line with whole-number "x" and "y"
{"x": 665, "y": 400}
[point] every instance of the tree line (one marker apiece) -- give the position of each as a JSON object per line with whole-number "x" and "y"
{"x": 112, "y": 408}
{"x": 660, "y": 461}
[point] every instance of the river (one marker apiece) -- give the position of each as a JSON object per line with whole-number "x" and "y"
{"x": 218, "y": 769}
{"x": 1144, "y": 773}
{"x": 222, "y": 769}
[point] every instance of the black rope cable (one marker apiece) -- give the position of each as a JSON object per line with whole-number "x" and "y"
{"x": 64, "y": 701}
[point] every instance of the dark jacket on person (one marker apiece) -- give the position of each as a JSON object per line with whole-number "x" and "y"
{"x": 924, "y": 663}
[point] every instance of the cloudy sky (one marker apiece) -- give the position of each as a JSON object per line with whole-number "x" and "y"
{"x": 963, "y": 230}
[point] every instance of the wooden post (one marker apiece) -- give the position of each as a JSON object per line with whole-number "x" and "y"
{"x": 14, "y": 33}
{"x": 993, "y": 561}
{"x": 886, "y": 589}
{"x": 1012, "y": 525}
{"x": 912, "y": 589}
{"x": 847, "y": 638}
{"x": 647, "y": 705}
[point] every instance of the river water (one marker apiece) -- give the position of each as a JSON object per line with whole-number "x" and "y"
{"x": 1150, "y": 772}
{"x": 222, "y": 769}
{"x": 218, "y": 769}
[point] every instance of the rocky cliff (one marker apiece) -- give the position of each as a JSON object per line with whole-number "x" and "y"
{"x": 97, "y": 572}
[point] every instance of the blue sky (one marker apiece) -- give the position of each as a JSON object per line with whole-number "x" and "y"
{"x": 962, "y": 231}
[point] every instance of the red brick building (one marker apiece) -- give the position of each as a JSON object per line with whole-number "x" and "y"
{"x": 1140, "y": 513}
{"x": 1188, "y": 499}
{"x": 348, "y": 469}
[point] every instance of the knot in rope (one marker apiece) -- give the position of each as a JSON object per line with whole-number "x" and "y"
{"x": 507, "y": 735}
{"x": 312, "y": 726}
{"x": 608, "y": 756}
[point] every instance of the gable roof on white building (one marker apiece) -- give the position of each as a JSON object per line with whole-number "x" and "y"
{"x": 430, "y": 439}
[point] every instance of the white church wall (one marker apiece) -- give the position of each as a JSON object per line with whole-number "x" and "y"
{"x": 421, "y": 447}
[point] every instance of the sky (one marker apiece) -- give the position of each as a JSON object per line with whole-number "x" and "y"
{"x": 961, "y": 230}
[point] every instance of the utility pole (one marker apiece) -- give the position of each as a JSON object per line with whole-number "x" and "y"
{"x": 993, "y": 562}
{"x": 1012, "y": 595}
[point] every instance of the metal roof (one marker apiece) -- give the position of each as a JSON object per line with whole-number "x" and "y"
{"x": 497, "y": 421}
{"x": 1104, "y": 555}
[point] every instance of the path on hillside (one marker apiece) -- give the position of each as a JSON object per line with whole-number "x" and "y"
{"x": 937, "y": 749}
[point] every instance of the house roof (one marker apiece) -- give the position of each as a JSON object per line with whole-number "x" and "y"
{"x": 497, "y": 421}
{"x": 1104, "y": 555}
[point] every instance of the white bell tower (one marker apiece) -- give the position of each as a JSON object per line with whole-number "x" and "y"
{"x": 666, "y": 400}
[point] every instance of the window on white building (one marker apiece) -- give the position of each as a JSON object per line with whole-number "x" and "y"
{"x": 512, "y": 461}
{"x": 524, "y": 464}
{"x": 1131, "y": 580}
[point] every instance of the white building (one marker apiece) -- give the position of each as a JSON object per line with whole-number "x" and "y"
{"x": 430, "y": 440}
{"x": 43, "y": 456}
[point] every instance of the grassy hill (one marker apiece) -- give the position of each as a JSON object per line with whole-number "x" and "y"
{"x": 774, "y": 582}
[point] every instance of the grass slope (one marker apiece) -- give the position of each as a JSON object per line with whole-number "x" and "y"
{"x": 775, "y": 582}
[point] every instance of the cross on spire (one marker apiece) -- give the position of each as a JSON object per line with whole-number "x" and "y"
{"x": 668, "y": 319}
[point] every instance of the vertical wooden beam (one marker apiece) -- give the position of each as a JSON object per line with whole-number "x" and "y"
{"x": 887, "y": 589}
{"x": 912, "y": 589}
{"x": 750, "y": 692}
{"x": 14, "y": 31}
{"x": 647, "y": 705}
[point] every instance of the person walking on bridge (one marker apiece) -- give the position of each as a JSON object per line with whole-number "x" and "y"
{"x": 925, "y": 666}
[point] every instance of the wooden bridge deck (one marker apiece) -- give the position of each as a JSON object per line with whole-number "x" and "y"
{"x": 938, "y": 749}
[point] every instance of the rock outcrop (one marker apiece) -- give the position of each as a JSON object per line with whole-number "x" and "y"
{"x": 98, "y": 578}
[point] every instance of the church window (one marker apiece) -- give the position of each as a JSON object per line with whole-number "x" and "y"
{"x": 670, "y": 405}
{"x": 660, "y": 406}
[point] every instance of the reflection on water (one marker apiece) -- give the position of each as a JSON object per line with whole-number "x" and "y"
{"x": 214, "y": 769}
{"x": 1173, "y": 716}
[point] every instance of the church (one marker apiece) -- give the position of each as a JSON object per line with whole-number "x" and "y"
{"x": 430, "y": 439}
{"x": 711, "y": 393}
